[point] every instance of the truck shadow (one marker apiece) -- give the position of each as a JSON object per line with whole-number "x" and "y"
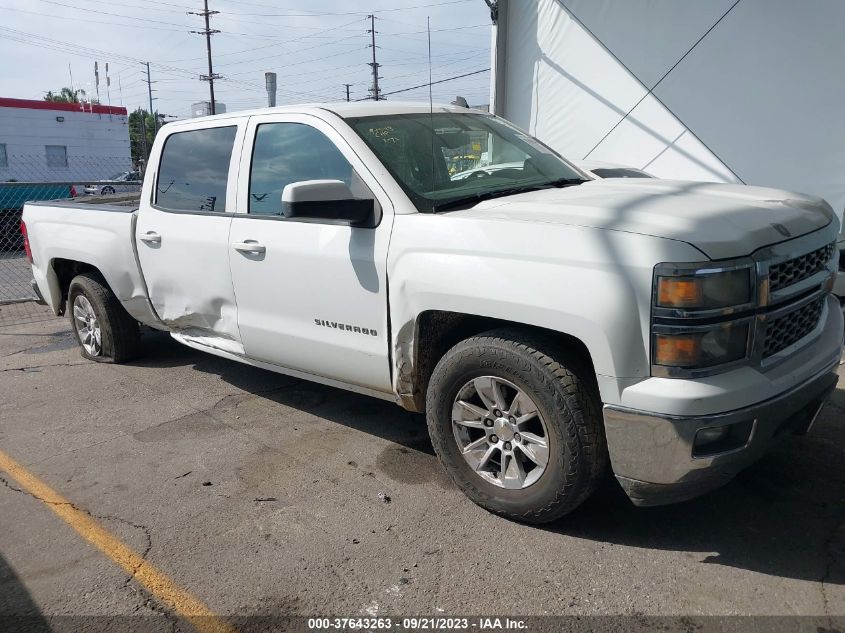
{"x": 784, "y": 516}
{"x": 18, "y": 610}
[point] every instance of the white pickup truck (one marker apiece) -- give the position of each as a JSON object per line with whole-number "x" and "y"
{"x": 552, "y": 327}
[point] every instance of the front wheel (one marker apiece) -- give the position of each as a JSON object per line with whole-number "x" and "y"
{"x": 104, "y": 330}
{"x": 107, "y": 190}
{"x": 518, "y": 429}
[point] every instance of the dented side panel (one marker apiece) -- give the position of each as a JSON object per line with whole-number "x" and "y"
{"x": 187, "y": 272}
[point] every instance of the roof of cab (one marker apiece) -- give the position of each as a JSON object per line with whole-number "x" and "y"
{"x": 343, "y": 109}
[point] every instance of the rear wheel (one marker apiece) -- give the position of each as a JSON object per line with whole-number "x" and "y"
{"x": 107, "y": 190}
{"x": 517, "y": 425}
{"x": 105, "y": 331}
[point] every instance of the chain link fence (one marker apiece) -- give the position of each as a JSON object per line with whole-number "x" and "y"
{"x": 53, "y": 176}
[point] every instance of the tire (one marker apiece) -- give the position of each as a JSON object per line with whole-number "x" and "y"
{"x": 107, "y": 190}
{"x": 563, "y": 391}
{"x": 119, "y": 334}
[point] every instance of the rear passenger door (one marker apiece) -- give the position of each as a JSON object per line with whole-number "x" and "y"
{"x": 183, "y": 229}
{"x": 312, "y": 295}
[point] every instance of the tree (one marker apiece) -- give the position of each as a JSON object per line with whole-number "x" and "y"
{"x": 66, "y": 95}
{"x": 136, "y": 133}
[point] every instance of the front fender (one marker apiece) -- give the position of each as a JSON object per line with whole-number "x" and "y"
{"x": 591, "y": 284}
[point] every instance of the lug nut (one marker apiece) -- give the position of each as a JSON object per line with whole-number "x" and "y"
{"x": 512, "y": 420}
{"x": 507, "y": 446}
{"x": 488, "y": 422}
{"x": 517, "y": 437}
{"x": 493, "y": 439}
{"x": 497, "y": 413}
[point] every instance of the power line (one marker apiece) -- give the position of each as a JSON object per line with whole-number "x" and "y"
{"x": 433, "y": 83}
{"x": 325, "y": 14}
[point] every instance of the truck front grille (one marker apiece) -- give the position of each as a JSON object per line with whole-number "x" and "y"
{"x": 800, "y": 268}
{"x": 792, "y": 327}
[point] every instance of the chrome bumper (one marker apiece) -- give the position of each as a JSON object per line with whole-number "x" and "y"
{"x": 656, "y": 459}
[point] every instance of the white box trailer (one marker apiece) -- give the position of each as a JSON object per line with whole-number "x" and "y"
{"x": 747, "y": 91}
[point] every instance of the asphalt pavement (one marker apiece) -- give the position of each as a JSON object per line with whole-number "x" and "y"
{"x": 258, "y": 494}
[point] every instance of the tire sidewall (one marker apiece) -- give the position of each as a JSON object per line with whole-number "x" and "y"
{"x": 463, "y": 364}
{"x": 80, "y": 286}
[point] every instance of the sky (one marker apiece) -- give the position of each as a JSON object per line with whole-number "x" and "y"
{"x": 315, "y": 46}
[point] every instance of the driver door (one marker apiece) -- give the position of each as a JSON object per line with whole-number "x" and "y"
{"x": 311, "y": 294}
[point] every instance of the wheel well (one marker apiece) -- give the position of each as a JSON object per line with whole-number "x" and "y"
{"x": 65, "y": 270}
{"x": 438, "y": 331}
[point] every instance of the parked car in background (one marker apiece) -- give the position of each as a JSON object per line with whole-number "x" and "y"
{"x": 123, "y": 182}
{"x": 486, "y": 170}
{"x": 611, "y": 170}
{"x": 551, "y": 326}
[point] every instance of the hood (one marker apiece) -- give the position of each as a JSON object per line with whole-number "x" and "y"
{"x": 722, "y": 221}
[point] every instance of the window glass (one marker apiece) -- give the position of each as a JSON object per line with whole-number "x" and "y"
{"x": 4, "y": 161}
{"x": 194, "y": 170}
{"x": 291, "y": 152}
{"x": 56, "y": 155}
{"x": 446, "y": 160}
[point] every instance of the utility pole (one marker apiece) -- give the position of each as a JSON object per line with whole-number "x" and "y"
{"x": 150, "y": 93}
{"x": 347, "y": 90}
{"x": 374, "y": 90}
{"x": 208, "y": 32}
{"x": 146, "y": 153}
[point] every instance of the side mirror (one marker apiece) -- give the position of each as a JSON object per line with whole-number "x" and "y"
{"x": 326, "y": 200}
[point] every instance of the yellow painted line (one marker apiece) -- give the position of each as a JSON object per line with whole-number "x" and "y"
{"x": 156, "y": 582}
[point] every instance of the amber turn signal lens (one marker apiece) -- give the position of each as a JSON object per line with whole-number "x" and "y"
{"x": 679, "y": 292}
{"x": 677, "y": 350}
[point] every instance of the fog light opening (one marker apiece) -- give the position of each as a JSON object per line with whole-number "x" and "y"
{"x": 711, "y": 435}
{"x": 721, "y": 439}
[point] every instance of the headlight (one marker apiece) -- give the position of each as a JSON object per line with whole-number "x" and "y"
{"x": 705, "y": 290}
{"x": 701, "y": 317}
{"x": 706, "y": 347}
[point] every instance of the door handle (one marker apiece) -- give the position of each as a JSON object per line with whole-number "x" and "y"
{"x": 249, "y": 247}
{"x": 150, "y": 237}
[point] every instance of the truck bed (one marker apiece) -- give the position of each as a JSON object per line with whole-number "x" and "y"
{"x": 121, "y": 203}
{"x": 98, "y": 231}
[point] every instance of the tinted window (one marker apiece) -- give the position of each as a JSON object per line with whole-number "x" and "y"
{"x": 290, "y": 152}
{"x": 194, "y": 170}
{"x": 4, "y": 161}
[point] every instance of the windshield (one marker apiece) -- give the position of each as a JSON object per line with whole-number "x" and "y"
{"x": 119, "y": 176}
{"x": 447, "y": 160}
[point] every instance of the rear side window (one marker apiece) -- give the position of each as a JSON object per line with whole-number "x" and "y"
{"x": 285, "y": 153}
{"x": 194, "y": 170}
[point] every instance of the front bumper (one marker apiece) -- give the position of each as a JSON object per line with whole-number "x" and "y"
{"x": 656, "y": 459}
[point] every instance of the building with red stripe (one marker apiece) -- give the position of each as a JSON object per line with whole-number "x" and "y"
{"x": 49, "y": 141}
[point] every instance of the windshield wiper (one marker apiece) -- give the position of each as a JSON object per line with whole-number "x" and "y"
{"x": 466, "y": 201}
